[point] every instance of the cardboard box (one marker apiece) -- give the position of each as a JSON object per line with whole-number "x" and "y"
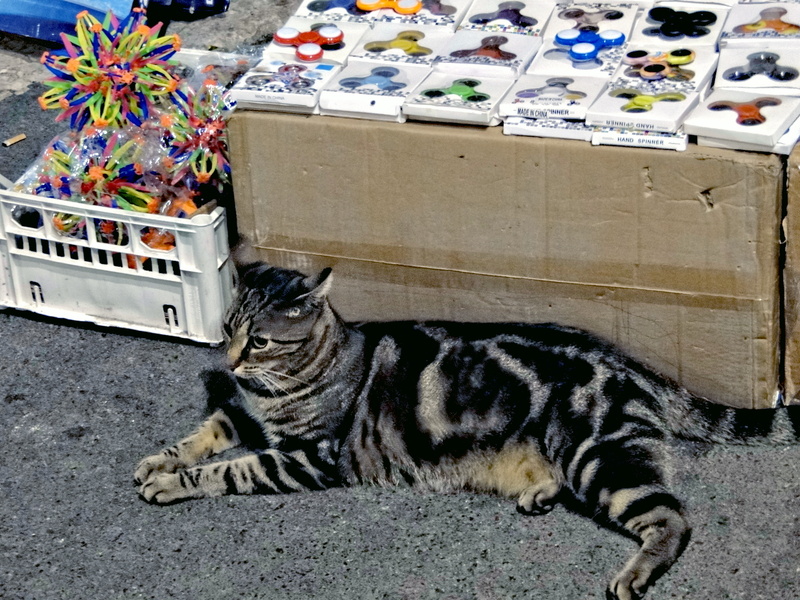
{"x": 791, "y": 279}
{"x": 672, "y": 255}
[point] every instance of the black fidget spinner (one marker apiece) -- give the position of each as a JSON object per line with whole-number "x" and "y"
{"x": 762, "y": 63}
{"x": 676, "y": 24}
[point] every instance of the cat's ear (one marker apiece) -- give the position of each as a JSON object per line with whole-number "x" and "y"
{"x": 245, "y": 259}
{"x": 318, "y": 286}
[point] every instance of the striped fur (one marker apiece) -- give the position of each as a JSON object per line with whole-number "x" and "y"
{"x": 536, "y": 412}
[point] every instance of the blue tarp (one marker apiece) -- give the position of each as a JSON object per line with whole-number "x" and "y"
{"x": 46, "y": 19}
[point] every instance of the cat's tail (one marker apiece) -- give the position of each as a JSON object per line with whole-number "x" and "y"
{"x": 698, "y": 419}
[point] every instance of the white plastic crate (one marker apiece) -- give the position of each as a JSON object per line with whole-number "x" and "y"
{"x": 181, "y": 292}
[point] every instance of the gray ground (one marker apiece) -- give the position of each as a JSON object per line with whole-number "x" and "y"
{"x": 79, "y": 406}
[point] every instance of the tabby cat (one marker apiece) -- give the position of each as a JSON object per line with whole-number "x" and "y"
{"x": 535, "y": 412}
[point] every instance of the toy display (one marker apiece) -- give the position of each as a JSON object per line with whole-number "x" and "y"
{"x": 617, "y": 65}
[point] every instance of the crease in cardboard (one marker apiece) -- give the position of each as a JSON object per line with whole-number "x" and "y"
{"x": 448, "y": 269}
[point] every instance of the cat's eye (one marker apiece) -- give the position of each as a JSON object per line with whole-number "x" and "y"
{"x": 259, "y": 342}
{"x": 293, "y": 312}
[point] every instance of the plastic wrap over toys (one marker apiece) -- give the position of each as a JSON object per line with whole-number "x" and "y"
{"x": 140, "y": 138}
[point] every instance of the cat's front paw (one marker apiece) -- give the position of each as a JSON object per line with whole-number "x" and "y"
{"x": 165, "y": 488}
{"x": 158, "y": 463}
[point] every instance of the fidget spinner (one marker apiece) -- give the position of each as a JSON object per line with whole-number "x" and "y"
{"x": 586, "y": 45}
{"x": 770, "y": 19}
{"x": 401, "y": 7}
{"x": 310, "y": 45}
{"x": 747, "y": 113}
{"x": 490, "y": 46}
{"x": 675, "y": 24}
{"x": 381, "y": 78}
{"x": 556, "y": 86}
{"x": 663, "y": 65}
{"x": 288, "y": 75}
{"x": 588, "y": 21}
{"x": 639, "y": 102}
{"x": 324, "y": 5}
{"x": 435, "y": 7}
{"x": 465, "y": 88}
{"x": 405, "y": 41}
{"x": 762, "y": 63}
{"x": 510, "y": 11}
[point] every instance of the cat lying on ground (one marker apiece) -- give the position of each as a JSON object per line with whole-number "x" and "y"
{"x": 534, "y": 412}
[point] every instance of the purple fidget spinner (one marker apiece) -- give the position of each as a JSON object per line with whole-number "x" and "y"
{"x": 762, "y": 63}
{"x": 381, "y": 78}
{"x": 555, "y": 86}
{"x": 510, "y": 11}
{"x": 588, "y": 21}
{"x": 677, "y": 24}
{"x": 348, "y": 5}
{"x": 436, "y": 7}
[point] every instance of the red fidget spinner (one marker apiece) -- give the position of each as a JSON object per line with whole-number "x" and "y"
{"x": 310, "y": 45}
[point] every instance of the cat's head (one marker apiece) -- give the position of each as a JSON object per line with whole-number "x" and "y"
{"x": 275, "y": 322}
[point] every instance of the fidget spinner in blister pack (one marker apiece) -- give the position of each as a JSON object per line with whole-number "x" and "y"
{"x": 762, "y": 63}
{"x": 656, "y": 66}
{"x": 639, "y": 101}
{"x": 382, "y": 78}
{"x": 747, "y": 113}
{"x": 311, "y": 45}
{"x": 558, "y": 87}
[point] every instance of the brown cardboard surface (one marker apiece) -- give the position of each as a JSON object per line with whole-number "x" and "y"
{"x": 791, "y": 279}
{"x": 672, "y": 255}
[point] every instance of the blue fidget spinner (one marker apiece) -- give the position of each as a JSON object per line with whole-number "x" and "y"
{"x": 381, "y": 78}
{"x": 586, "y": 45}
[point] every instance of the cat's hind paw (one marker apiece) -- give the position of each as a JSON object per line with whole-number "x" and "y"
{"x": 538, "y": 499}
